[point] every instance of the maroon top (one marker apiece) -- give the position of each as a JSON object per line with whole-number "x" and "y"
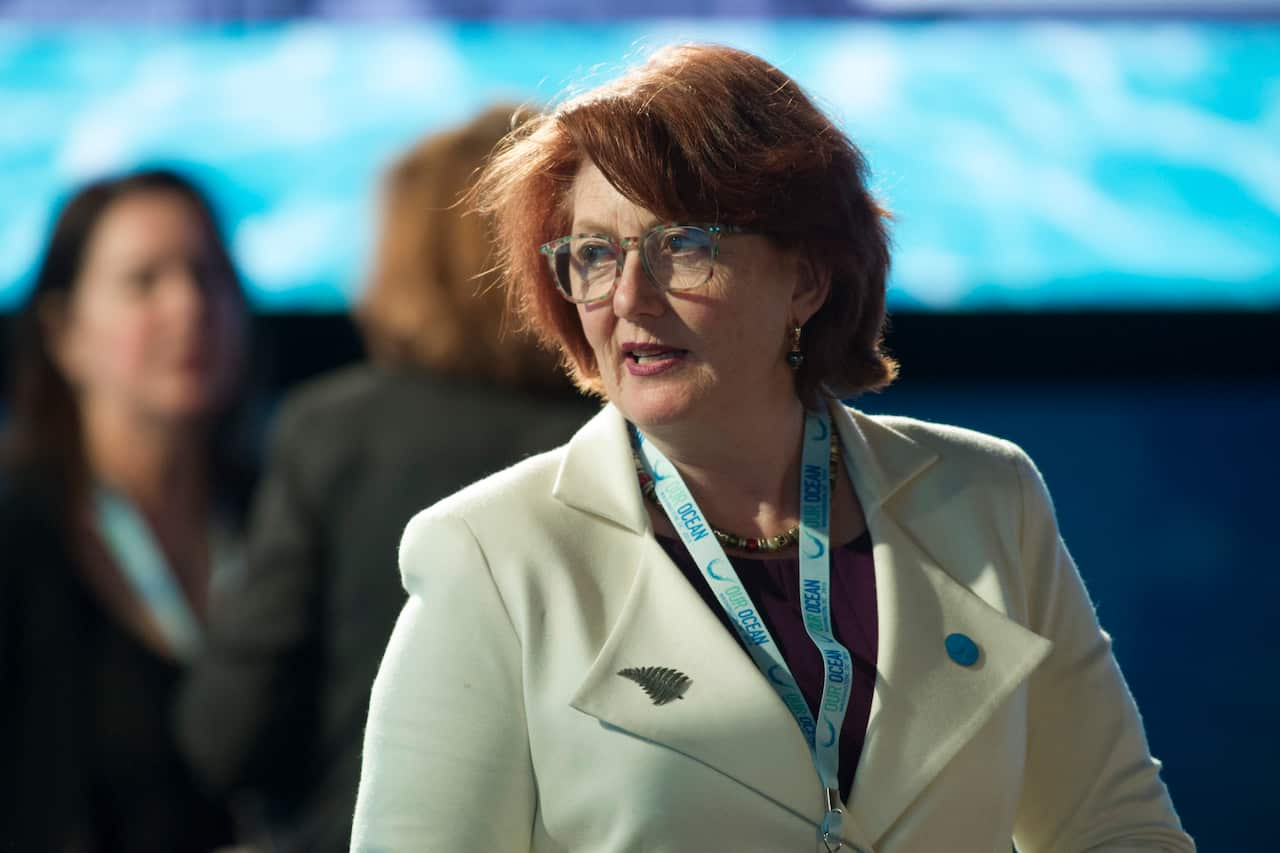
{"x": 774, "y": 587}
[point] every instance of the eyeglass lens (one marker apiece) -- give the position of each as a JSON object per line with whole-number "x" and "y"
{"x": 675, "y": 258}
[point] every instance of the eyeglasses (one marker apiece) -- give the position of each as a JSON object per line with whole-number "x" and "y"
{"x": 675, "y": 257}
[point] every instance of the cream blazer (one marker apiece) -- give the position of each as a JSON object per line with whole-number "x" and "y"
{"x": 499, "y": 721}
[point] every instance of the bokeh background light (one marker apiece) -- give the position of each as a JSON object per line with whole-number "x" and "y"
{"x": 1030, "y": 164}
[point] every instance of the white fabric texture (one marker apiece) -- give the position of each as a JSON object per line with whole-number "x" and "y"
{"x": 499, "y": 723}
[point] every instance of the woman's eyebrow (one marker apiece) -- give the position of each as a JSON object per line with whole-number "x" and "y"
{"x": 590, "y": 226}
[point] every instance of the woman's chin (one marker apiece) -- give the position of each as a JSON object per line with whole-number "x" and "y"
{"x": 184, "y": 405}
{"x": 649, "y": 407}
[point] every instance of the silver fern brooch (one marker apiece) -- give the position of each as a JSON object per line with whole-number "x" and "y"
{"x": 660, "y": 683}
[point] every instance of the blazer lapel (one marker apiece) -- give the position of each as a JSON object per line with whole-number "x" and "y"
{"x": 597, "y": 475}
{"x": 926, "y": 706}
{"x": 665, "y": 623}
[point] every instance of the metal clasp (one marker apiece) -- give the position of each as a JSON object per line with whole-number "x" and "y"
{"x": 832, "y": 820}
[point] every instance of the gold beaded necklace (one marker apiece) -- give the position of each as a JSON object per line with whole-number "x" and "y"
{"x": 753, "y": 544}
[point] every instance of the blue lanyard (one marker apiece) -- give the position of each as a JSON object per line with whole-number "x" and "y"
{"x": 138, "y": 556}
{"x": 140, "y": 559}
{"x": 822, "y": 733}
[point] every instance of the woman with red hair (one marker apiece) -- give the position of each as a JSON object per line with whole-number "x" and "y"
{"x": 733, "y": 613}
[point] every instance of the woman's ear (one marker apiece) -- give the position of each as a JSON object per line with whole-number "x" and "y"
{"x": 813, "y": 286}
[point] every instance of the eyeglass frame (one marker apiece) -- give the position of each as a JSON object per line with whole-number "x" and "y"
{"x": 625, "y": 245}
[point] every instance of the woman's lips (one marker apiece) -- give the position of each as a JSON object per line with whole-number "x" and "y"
{"x": 649, "y": 360}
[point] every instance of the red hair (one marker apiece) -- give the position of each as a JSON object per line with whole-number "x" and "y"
{"x": 431, "y": 300}
{"x": 703, "y": 133}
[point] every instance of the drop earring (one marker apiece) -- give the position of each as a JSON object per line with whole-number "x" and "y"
{"x": 795, "y": 357}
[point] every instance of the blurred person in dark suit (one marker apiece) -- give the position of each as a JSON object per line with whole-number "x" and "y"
{"x": 278, "y": 704}
{"x": 120, "y": 506}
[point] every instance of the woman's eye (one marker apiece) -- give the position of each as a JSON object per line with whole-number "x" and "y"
{"x": 208, "y": 275}
{"x": 594, "y": 254}
{"x": 680, "y": 243}
{"x": 142, "y": 280}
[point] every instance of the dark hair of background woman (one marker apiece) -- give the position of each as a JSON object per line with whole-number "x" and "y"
{"x": 43, "y": 433}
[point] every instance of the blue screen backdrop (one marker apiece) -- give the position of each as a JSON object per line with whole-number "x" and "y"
{"x": 1030, "y": 165}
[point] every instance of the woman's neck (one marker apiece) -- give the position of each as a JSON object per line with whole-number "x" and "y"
{"x": 744, "y": 472}
{"x": 161, "y": 467}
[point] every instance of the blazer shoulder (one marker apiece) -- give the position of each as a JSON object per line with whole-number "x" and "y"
{"x": 322, "y": 399}
{"x": 28, "y": 508}
{"x": 949, "y": 442}
{"x": 511, "y": 497}
{"x": 519, "y": 485}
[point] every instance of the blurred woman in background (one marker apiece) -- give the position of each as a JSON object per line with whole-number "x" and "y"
{"x": 279, "y": 702}
{"x": 119, "y": 506}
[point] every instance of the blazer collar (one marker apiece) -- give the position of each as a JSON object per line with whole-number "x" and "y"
{"x": 597, "y": 474}
{"x": 925, "y": 707}
{"x": 880, "y": 459}
{"x": 597, "y": 471}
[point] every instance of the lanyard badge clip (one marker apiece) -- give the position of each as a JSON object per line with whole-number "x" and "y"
{"x": 833, "y": 822}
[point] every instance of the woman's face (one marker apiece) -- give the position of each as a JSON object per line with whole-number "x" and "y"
{"x": 154, "y": 326}
{"x": 705, "y": 355}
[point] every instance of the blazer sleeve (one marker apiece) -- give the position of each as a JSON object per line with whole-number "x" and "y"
{"x": 246, "y": 713}
{"x": 1091, "y": 783}
{"x": 446, "y": 763}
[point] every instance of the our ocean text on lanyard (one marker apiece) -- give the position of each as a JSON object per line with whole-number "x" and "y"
{"x": 823, "y": 733}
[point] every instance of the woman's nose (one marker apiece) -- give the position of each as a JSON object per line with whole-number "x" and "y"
{"x": 187, "y": 294}
{"x": 633, "y": 293}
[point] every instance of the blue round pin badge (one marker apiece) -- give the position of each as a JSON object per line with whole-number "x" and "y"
{"x": 961, "y": 649}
